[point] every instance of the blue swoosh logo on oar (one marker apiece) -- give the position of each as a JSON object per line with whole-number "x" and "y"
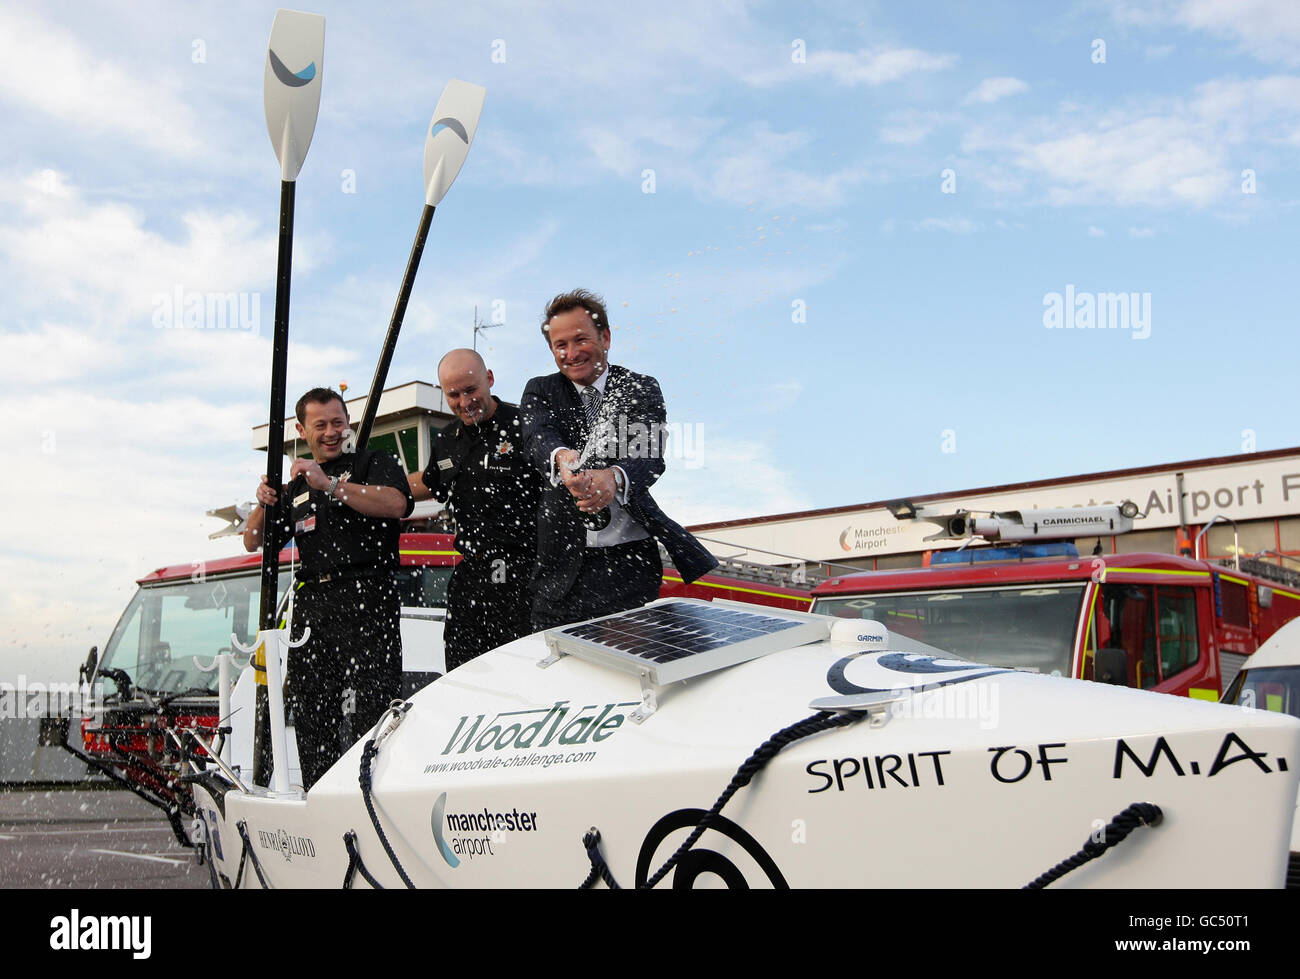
{"x": 447, "y": 122}
{"x": 294, "y": 79}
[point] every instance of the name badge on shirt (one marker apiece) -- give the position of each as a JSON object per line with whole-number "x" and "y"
{"x": 305, "y": 526}
{"x": 445, "y": 464}
{"x": 301, "y": 498}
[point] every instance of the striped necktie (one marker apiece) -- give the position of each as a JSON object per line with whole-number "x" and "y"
{"x": 591, "y": 405}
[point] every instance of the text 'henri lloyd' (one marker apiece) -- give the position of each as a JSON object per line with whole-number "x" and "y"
{"x": 510, "y": 730}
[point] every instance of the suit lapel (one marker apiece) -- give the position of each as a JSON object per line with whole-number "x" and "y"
{"x": 573, "y": 419}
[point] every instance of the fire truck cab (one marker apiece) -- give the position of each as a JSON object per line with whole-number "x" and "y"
{"x": 1145, "y": 620}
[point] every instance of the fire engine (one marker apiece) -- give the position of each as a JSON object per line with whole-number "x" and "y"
{"x": 159, "y": 721}
{"x": 1149, "y": 621}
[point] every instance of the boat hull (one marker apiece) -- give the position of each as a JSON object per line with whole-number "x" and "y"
{"x": 976, "y": 777}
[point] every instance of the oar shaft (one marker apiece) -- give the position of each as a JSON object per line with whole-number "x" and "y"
{"x": 394, "y": 328}
{"x": 271, "y": 542}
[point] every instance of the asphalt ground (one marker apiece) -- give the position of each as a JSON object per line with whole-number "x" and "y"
{"x": 54, "y": 838}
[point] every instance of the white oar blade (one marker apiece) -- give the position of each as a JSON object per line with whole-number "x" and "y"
{"x": 451, "y": 132}
{"x": 291, "y": 90}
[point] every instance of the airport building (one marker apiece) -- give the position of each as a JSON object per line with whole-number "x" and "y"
{"x": 1210, "y": 508}
{"x": 1250, "y": 503}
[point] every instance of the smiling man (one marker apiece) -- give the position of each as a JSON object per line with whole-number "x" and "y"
{"x": 588, "y": 567}
{"x": 343, "y": 511}
{"x": 478, "y": 467}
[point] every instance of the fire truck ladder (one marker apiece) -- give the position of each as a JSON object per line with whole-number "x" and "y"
{"x": 804, "y": 578}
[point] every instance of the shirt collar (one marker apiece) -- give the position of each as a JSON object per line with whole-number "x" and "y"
{"x": 598, "y": 384}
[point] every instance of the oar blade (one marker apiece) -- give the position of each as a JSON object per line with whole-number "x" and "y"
{"x": 451, "y": 131}
{"x": 291, "y": 90}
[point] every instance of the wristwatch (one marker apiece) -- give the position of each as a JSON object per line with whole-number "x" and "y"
{"x": 334, "y": 485}
{"x": 618, "y": 481}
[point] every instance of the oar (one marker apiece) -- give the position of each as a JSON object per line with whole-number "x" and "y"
{"x": 291, "y": 94}
{"x": 451, "y": 132}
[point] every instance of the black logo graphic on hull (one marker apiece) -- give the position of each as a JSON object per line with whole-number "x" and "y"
{"x": 903, "y": 663}
{"x": 698, "y": 860}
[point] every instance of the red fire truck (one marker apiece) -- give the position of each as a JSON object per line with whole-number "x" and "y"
{"x": 1152, "y": 621}
{"x": 158, "y": 665}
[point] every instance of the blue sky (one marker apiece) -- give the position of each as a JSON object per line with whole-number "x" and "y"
{"x": 799, "y": 158}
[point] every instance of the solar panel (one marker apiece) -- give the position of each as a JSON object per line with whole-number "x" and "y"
{"x": 679, "y": 638}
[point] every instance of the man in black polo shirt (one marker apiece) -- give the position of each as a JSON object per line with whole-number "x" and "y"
{"x": 343, "y": 511}
{"x": 478, "y": 466}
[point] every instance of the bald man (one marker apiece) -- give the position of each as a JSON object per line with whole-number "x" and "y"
{"x": 479, "y": 469}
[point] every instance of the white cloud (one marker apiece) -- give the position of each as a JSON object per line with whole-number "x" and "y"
{"x": 114, "y": 486}
{"x": 51, "y": 71}
{"x": 1135, "y": 232}
{"x": 993, "y": 89}
{"x": 754, "y": 166}
{"x": 105, "y": 259}
{"x": 905, "y": 134}
{"x": 908, "y": 127}
{"x": 778, "y": 396}
{"x": 738, "y": 478}
{"x": 55, "y": 352}
{"x": 869, "y": 66}
{"x": 1267, "y": 109}
{"x": 1095, "y": 232}
{"x": 633, "y": 143}
{"x": 1266, "y": 29}
{"x": 1155, "y": 151}
{"x": 1147, "y": 161}
{"x": 956, "y": 226}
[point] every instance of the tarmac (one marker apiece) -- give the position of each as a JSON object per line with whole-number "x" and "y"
{"x": 72, "y": 837}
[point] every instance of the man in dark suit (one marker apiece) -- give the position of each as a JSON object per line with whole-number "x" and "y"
{"x": 584, "y": 572}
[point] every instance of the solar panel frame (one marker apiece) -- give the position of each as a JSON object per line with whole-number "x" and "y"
{"x": 679, "y": 638}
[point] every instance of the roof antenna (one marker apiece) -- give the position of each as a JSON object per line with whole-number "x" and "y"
{"x": 480, "y": 327}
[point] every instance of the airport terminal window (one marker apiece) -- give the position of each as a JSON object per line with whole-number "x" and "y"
{"x": 1252, "y": 537}
{"x": 384, "y": 443}
{"x": 404, "y": 445}
{"x": 1160, "y": 541}
{"x": 410, "y": 439}
{"x": 1288, "y": 532}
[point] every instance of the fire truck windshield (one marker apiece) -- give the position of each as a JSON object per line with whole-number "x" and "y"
{"x": 167, "y": 626}
{"x": 1025, "y": 628}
